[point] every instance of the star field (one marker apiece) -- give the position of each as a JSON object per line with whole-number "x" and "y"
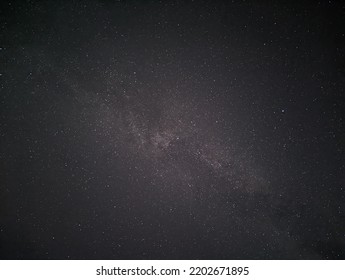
{"x": 172, "y": 130}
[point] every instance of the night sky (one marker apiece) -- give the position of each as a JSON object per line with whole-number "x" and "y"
{"x": 172, "y": 130}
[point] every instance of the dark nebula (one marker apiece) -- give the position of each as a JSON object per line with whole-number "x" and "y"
{"x": 172, "y": 130}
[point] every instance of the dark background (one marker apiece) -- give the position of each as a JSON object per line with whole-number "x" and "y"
{"x": 172, "y": 130}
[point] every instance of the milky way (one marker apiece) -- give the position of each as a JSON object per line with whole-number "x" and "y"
{"x": 172, "y": 130}
{"x": 175, "y": 139}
